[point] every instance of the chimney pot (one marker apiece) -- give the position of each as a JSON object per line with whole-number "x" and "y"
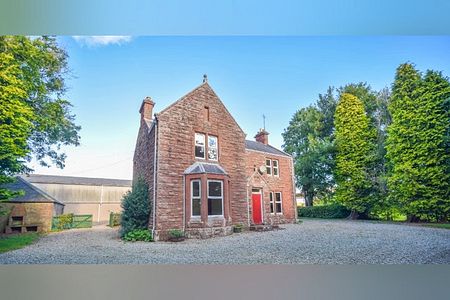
{"x": 146, "y": 109}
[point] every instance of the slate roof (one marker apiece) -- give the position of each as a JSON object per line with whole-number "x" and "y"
{"x": 32, "y": 193}
{"x": 36, "y": 178}
{"x": 200, "y": 168}
{"x": 257, "y": 146}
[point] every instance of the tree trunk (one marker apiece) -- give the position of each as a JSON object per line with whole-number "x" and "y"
{"x": 353, "y": 215}
{"x": 412, "y": 219}
{"x": 308, "y": 199}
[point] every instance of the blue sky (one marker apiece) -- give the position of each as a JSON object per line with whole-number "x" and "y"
{"x": 274, "y": 76}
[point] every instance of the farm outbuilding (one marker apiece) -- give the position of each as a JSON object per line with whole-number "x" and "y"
{"x": 83, "y": 195}
{"x": 31, "y": 211}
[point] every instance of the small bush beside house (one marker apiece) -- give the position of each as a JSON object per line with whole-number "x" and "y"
{"x": 136, "y": 211}
{"x": 331, "y": 211}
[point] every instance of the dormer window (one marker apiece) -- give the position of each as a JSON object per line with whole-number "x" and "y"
{"x": 199, "y": 145}
{"x": 212, "y": 147}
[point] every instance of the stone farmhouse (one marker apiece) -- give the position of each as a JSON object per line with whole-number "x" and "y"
{"x": 203, "y": 175}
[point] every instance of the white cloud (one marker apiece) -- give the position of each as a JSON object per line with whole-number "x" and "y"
{"x": 102, "y": 40}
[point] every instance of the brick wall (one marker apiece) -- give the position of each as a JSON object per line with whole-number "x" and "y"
{"x": 283, "y": 183}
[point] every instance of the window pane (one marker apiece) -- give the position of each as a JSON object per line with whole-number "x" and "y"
{"x": 196, "y": 207}
{"x": 196, "y": 188}
{"x": 199, "y": 139}
{"x": 200, "y": 151}
{"x": 271, "y": 197}
{"x": 275, "y": 163}
{"x": 268, "y": 162}
{"x": 212, "y": 141}
{"x": 214, "y": 207}
{"x": 278, "y": 206}
{"x": 271, "y": 207}
{"x": 212, "y": 153}
{"x": 278, "y": 197}
{"x": 215, "y": 188}
{"x": 275, "y": 171}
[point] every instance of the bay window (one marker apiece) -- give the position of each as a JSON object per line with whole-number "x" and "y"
{"x": 215, "y": 198}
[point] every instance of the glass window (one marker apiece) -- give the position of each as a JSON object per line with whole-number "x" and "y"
{"x": 212, "y": 147}
{"x": 278, "y": 203}
{"x": 275, "y": 167}
{"x": 199, "y": 145}
{"x": 195, "y": 197}
{"x": 215, "y": 198}
{"x": 271, "y": 202}
{"x": 269, "y": 167}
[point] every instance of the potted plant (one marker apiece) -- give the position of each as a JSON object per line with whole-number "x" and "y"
{"x": 238, "y": 228}
{"x": 176, "y": 235}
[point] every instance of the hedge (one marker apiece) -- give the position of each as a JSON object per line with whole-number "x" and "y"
{"x": 331, "y": 211}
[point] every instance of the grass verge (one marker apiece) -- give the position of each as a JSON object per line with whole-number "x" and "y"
{"x": 17, "y": 241}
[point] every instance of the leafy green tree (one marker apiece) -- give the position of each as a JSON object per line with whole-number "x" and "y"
{"x": 354, "y": 156}
{"x": 417, "y": 144}
{"x": 312, "y": 153}
{"x": 35, "y": 119}
{"x": 136, "y": 208}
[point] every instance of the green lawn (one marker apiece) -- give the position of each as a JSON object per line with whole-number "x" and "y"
{"x": 438, "y": 225}
{"x": 17, "y": 241}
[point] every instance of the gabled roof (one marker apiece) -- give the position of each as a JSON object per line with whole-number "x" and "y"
{"x": 32, "y": 194}
{"x": 36, "y": 178}
{"x": 257, "y": 146}
{"x": 204, "y": 84}
{"x": 201, "y": 168}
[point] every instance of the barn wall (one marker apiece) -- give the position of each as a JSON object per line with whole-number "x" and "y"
{"x": 87, "y": 199}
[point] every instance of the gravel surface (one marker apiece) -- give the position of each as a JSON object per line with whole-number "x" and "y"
{"x": 312, "y": 242}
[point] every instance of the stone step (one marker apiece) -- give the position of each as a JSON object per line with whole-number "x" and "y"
{"x": 261, "y": 227}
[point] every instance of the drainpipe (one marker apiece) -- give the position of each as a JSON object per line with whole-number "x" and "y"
{"x": 184, "y": 203}
{"x": 293, "y": 190}
{"x": 155, "y": 165}
{"x": 248, "y": 208}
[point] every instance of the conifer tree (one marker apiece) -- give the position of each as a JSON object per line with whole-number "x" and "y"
{"x": 417, "y": 144}
{"x": 354, "y": 156}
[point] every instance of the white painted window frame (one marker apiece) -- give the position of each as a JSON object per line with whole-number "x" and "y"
{"x": 204, "y": 145}
{"x": 196, "y": 197}
{"x": 215, "y": 197}
{"x": 217, "y": 147}
{"x": 275, "y": 203}
{"x": 269, "y": 167}
{"x": 277, "y": 168}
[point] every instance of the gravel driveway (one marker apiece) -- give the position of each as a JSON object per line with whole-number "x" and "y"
{"x": 312, "y": 242}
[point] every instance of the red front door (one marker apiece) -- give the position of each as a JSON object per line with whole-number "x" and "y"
{"x": 256, "y": 208}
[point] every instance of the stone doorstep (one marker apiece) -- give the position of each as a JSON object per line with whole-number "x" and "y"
{"x": 263, "y": 227}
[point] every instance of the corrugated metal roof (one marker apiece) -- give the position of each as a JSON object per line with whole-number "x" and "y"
{"x": 36, "y": 178}
{"x": 200, "y": 168}
{"x": 257, "y": 146}
{"x": 32, "y": 194}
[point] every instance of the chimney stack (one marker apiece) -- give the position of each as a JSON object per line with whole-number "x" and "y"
{"x": 146, "y": 109}
{"x": 262, "y": 136}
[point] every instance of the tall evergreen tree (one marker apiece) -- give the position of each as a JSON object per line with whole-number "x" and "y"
{"x": 417, "y": 144}
{"x": 354, "y": 156}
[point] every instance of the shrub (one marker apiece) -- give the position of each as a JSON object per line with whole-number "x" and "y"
{"x": 135, "y": 235}
{"x": 331, "y": 211}
{"x": 238, "y": 228}
{"x": 136, "y": 208}
{"x": 176, "y": 233}
{"x": 64, "y": 222}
